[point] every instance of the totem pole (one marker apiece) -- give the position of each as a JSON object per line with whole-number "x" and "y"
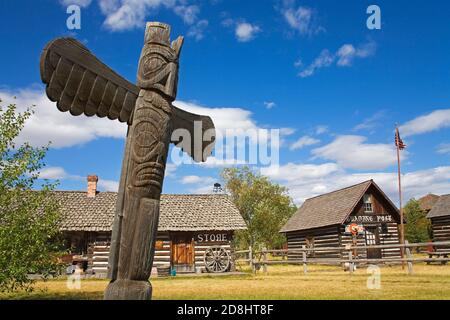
{"x": 81, "y": 84}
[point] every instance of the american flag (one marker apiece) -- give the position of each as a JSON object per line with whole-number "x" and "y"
{"x": 398, "y": 141}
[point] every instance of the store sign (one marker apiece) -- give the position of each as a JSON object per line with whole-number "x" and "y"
{"x": 370, "y": 219}
{"x": 211, "y": 237}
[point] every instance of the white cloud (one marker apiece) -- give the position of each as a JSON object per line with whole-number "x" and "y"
{"x": 188, "y": 13}
{"x": 347, "y": 53}
{"x": 81, "y": 3}
{"x": 300, "y": 172}
{"x": 325, "y": 59}
{"x": 304, "y": 142}
{"x": 352, "y": 152}
{"x": 108, "y": 185}
{"x": 193, "y": 179}
{"x": 269, "y": 104}
{"x": 62, "y": 129}
{"x": 321, "y": 129}
{"x": 53, "y": 173}
{"x": 302, "y": 19}
{"x": 344, "y": 57}
{"x": 59, "y": 173}
{"x": 444, "y": 148}
{"x": 128, "y": 14}
{"x": 371, "y": 122}
{"x": 306, "y": 181}
{"x": 438, "y": 119}
{"x": 197, "y": 31}
{"x": 245, "y": 31}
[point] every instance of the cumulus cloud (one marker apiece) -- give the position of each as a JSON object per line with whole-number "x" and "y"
{"x": 371, "y": 122}
{"x": 59, "y": 173}
{"x": 304, "y": 141}
{"x": 343, "y": 57}
{"x": 352, "y": 152}
{"x": 436, "y": 120}
{"x": 309, "y": 180}
{"x": 321, "y": 129}
{"x": 193, "y": 179}
{"x": 108, "y": 185}
{"x": 123, "y": 15}
{"x": 246, "y": 32}
{"x": 62, "y": 129}
{"x": 347, "y": 53}
{"x": 269, "y": 104}
{"x": 444, "y": 148}
{"x": 302, "y": 19}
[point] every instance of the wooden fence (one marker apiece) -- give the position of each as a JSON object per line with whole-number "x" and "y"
{"x": 349, "y": 256}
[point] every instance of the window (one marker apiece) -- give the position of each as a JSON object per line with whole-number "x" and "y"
{"x": 368, "y": 203}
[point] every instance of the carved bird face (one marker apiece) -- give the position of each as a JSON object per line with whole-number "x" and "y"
{"x": 158, "y": 66}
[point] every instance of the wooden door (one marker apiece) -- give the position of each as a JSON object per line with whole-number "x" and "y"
{"x": 373, "y": 239}
{"x": 182, "y": 250}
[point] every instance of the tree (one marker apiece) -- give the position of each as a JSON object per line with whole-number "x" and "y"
{"x": 264, "y": 205}
{"x": 417, "y": 225}
{"x": 28, "y": 219}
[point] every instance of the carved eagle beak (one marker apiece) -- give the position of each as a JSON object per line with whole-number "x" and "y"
{"x": 177, "y": 45}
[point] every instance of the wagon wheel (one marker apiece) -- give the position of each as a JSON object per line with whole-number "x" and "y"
{"x": 217, "y": 260}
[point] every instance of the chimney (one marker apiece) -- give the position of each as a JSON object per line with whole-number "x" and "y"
{"x": 92, "y": 186}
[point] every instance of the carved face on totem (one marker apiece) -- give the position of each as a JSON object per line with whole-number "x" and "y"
{"x": 158, "y": 66}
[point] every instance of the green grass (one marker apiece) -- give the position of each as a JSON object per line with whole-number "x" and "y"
{"x": 281, "y": 282}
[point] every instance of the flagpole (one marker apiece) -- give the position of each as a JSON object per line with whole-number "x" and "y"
{"x": 400, "y": 197}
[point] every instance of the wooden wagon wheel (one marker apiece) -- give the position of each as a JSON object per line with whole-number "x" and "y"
{"x": 217, "y": 260}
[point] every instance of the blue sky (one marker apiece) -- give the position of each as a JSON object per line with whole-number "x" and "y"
{"x": 310, "y": 68}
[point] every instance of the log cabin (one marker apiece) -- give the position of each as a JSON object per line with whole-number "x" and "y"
{"x": 324, "y": 221}
{"x": 188, "y": 225}
{"x": 440, "y": 221}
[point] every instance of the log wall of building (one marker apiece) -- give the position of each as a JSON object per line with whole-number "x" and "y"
{"x": 441, "y": 230}
{"x": 322, "y": 238}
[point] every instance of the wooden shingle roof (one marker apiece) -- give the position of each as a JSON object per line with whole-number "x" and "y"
{"x": 427, "y": 202}
{"x": 441, "y": 208}
{"x": 330, "y": 209}
{"x": 177, "y": 212}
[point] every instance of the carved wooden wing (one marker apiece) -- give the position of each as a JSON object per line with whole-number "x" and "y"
{"x": 81, "y": 84}
{"x": 201, "y": 134}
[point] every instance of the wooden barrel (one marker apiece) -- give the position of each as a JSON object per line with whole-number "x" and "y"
{"x": 163, "y": 271}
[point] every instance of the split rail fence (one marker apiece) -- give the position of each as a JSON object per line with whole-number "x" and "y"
{"x": 349, "y": 256}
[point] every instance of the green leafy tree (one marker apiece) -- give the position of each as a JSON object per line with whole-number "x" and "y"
{"x": 28, "y": 219}
{"x": 264, "y": 205}
{"x": 417, "y": 228}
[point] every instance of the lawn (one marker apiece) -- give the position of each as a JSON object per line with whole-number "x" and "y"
{"x": 281, "y": 282}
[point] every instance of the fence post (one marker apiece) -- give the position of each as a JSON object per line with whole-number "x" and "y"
{"x": 350, "y": 259}
{"x": 305, "y": 267}
{"x": 264, "y": 259}
{"x": 250, "y": 258}
{"x": 409, "y": 256}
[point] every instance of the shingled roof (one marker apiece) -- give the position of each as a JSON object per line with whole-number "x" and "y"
{"x": 330, "y": 209}
{"x": 427, "y": 202}
{"x": 441, "y": 208}
{"x": 177, "y": 212}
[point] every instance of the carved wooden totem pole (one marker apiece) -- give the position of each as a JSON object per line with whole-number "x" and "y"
{"x": 81, "y": 84}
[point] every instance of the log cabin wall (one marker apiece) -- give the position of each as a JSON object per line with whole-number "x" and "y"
{"x": 316, "y": 238}
{"x": 162, "y": 250}
{"x": 205, "y": 240}
{"x": 441, "y": 231}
